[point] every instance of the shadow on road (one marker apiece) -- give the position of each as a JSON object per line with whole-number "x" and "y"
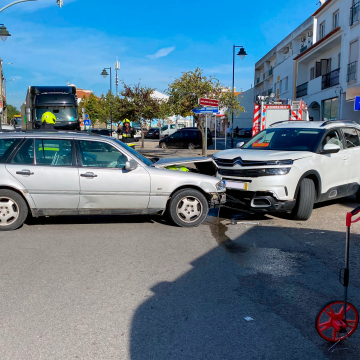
{"x": 279, "y": 277}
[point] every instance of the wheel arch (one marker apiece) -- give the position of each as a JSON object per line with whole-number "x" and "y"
{"x": 316, "y": 178}
{"x": 194, "y": 187}
{"x": 6, "y": 187}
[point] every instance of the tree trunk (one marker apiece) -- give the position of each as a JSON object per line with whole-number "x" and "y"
{"x": 142, "y": 133}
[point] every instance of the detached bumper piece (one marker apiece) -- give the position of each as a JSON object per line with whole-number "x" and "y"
{"x": 257, "y": 201}
{"x": 217, "y": 199}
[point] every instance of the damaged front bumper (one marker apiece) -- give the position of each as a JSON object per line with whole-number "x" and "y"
{"x": 217, "y": 199}
{"x": 257, "y": 201}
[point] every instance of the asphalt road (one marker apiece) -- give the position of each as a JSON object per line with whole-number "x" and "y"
{"x": 138, "y": 288}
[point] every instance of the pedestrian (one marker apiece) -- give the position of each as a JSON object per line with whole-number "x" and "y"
{"x": 217, "y": 130}
{"x": 48, "y": 120}
{"x": 237, "y": 131}
{"x": 228, "y": 131}
{"x": 127, "y": 133}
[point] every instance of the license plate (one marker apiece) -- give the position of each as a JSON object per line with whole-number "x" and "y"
{"x": 236, "y": 185}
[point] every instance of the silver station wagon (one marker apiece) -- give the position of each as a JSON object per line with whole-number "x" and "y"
{"x": 64, "y": 173}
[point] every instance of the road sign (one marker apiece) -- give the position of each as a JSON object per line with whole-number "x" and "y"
{"x": 202, "y": 110}
{"x": 357, "y": 103}
{"x": 87, "y": 122}
{"x": 208, "y": 102}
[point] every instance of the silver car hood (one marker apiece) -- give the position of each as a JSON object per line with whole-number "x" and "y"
{"x": 182, "y": 160}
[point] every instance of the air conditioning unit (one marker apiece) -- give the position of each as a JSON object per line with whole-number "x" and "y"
{"x": 310, "y": 33}
{"x": 286, "y": 50}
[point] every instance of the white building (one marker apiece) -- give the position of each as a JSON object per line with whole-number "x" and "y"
{"x": 327, "y": 72}
{"x": 318, "y": 62}
{"x": 245, "y": 119}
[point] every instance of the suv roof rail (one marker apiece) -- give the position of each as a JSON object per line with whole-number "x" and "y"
{"x": 285, "y": 121}
{"x": 338, "y": 121}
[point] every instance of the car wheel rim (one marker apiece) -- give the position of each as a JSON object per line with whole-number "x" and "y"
{"x": 9, "y": 211}
{"x": 191, "y": 146}
{"x": 189, "y": 209}
{"x": 163, "y": 146}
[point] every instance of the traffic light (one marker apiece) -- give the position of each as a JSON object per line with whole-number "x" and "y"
{"x": 60, "y": 3}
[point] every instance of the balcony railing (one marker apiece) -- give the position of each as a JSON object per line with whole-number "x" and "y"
{"x": 330, "y": 79}
{"x": 354, "y": 13}
{"x": 351, "y": 71}
{"x": 302, "y": 90}
{"x": 303, "y": 49}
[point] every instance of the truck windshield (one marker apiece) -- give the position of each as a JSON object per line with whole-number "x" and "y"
{"x": 62, "y": 114}
{"x": 286, "y": 139}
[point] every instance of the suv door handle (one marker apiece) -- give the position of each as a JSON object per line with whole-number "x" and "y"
{"x": 25, "y": 172}
{"x": 88, "y": 175}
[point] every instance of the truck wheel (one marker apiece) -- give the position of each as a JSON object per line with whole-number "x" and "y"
{"x": 13, "y": 210}
{"x": 305, "y": 200}
{"x": 188, "y": 208}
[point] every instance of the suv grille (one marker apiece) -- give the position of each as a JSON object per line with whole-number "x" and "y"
{"x": 243, "y": 173}
{"x": 239, "y": 161}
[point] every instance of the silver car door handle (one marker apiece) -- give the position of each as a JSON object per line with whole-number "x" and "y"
{"x": 25, "y": 172}
{"x": 89, "y": 175}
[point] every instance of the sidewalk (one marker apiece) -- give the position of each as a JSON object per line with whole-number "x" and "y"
{"x": 152, "y": 149}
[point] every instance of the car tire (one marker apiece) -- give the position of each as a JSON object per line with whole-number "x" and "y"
{"x": 136, "y": 139}
{"x": 163, "y": 145}
{"x": 188, "y": 208}
{"x": 13, "y": 210}
{"x": 305, "y": 200}
{"x": 191, "y": 146}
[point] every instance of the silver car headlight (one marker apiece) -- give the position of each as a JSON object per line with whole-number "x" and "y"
{"x": 220, "y": 186}
{"x": 278, "y": 171}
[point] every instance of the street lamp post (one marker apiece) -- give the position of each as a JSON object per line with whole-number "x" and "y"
{"x": 242, "y": 53}
{"x": 105, "y": 74}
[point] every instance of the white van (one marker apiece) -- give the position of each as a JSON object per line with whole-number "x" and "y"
{"x": 167, "y": 130}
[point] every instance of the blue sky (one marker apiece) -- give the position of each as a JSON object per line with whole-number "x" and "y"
{"x": 154, "y": 41}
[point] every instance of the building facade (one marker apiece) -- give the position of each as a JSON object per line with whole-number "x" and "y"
{"x": 318, "y": 63}
{"x": 327, "y": 72}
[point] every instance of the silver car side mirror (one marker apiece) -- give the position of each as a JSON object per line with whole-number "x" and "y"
{"x": 131, "y": 165}
{"x": 240, "y": 144}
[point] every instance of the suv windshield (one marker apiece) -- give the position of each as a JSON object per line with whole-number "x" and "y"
{"x": 62, "y": 114}
{"x": 286, "y": 139}
{"x": 135, "y": 153}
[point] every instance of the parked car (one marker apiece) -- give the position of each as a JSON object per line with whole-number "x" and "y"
{"x": 292, "y": 165}
{"x": 59, "y": 173}
{"x": 170, "y": 129}
{"x": 104, "y": 132}
{"x": 7, "y": 128}
{"x": 247, "y": 133}
{"x": 153, "y": 133}
{"x": 186, "y": 138}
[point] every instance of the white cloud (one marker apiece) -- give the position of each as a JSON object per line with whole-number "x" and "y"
{"x": 162, "y": 53}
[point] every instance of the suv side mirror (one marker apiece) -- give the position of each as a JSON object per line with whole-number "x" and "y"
{"x": 240, "y": 144}
{"x": 131, "y": 165}
{"x": 331, "y": 149}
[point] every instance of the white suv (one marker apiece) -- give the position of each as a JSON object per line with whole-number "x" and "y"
{"x": 292, "y": 165}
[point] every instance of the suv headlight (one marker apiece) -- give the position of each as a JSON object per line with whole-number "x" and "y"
{"x": 220, "y": 186}
{"x": 278, "y": 171}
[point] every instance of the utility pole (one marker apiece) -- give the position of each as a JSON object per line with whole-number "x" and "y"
{"x": 117, "y": 68}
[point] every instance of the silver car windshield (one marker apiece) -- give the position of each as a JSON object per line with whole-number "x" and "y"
{"x": 134, "y": 153}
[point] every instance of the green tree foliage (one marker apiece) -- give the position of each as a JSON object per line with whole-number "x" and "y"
{"x": 93, "y": 107}
{"x": 11, "y": 111}
{"x": 192, "y": 85}
{"x": 138, "y": 105}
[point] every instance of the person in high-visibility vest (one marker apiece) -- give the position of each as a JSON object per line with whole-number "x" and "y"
{"x": 48, "y": 120}
{"x": 127, "y": 133}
